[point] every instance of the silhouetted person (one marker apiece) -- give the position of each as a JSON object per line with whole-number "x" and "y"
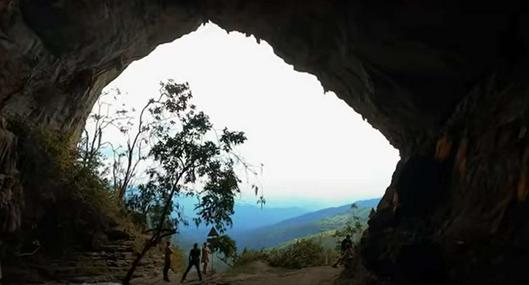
{"x": 346, "y": 243}
{"x": 347, "y": 255}
{"x": 205, "y": 258}
{"x": 194, "y": 260}
{"x": 167, "y": 263}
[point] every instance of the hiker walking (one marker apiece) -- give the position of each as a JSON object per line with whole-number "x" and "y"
{"x": 194, "y": 260}
{"x": 205, "y": 258}
{"x": 167, "y": 262}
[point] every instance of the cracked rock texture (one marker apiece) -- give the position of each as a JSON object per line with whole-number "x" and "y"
{"x": 444, "y": 81}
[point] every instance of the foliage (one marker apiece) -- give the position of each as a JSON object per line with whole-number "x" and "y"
{"x": 353, "y": 228}
{"x": 248, "y": 256}
{"x": 186, "y": 158}
{"x": 303, "y": 253}
{"x": 225, "y": 246}
{"x": 92, "y": 142}
{"x": 71, "y": 204}
{"x": 60, "y": 160}
{"x": 178, "y": 259}
{"x": 140, "y": 131}
{"x": 122, "y": 166}
{"x": 300, "y": 254}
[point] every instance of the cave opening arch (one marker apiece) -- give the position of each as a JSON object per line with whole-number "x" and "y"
{"x": 444, "y": 82}
{"x": 242, "y": 84}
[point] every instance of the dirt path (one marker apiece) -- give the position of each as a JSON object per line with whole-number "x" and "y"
{"x": 308, "y": 276}
{"x": 257, "y": 274}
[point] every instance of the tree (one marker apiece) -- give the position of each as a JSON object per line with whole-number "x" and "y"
{"x": 123, "y": 164}
{"x": 126, "y": 159}
{"x": 225, "y": 246}
{"x": 102, "y": 117}
{"x": 120, "y": 169}
{"x": 354, "y": 227}
{"x": 189, "y": 155}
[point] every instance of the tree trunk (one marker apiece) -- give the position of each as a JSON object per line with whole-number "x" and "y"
{"x": 136, "y": 262}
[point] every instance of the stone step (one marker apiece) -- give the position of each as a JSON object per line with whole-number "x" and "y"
{"x": 109, "y": 263}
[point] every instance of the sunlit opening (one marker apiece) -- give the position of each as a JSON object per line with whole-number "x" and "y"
{"x": 316, "y": 151}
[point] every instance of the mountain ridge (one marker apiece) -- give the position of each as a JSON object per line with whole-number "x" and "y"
{"x": 288, "y": 228}
{"x": 304, "y": 225}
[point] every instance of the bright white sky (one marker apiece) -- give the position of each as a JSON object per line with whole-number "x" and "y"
{"x": 316, "y": 150}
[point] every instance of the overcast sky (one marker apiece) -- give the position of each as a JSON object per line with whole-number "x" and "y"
{"x": 315, "y": 149}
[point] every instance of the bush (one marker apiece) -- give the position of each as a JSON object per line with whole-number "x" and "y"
{"x": 248, "y": 256}
{"x": 178, "y": 258}
{"x": 302, "y": 253}
{"x": 67, "y": 204}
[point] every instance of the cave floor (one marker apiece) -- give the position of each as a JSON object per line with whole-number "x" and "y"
{"x": 260, "y": 274}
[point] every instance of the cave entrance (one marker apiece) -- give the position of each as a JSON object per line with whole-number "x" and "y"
{"x": 316, "y": 151}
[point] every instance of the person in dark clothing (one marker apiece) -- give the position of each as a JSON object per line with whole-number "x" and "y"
{"x": 194, "y": 260}
{"x": 167, "y": 263}
{"x": 346, "y": 243}
{"x": 346, "y": 248}
{"x": 347, "y": 256}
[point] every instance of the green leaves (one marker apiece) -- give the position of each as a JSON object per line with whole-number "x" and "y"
{"x": 230, "y": 139}
{"x": 217, "y": 201}
{"x": 185, "y": 158}
{"x": 302, "y": 253}
{"x": 225, "y": 246}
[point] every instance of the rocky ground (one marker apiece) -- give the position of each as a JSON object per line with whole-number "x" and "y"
{"x": 108, "y": 264}
{"x": 257, "y": 273}
{"x": 111, "y": 261}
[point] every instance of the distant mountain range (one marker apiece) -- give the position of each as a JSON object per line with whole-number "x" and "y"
{"x": 257, "y": 228}
{"x": 305, "y": 225}
{"x": 246, "y": 218}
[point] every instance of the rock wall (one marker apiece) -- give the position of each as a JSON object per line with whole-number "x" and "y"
{"x": 456, "y": 214}
{"x": 11, "y": 192}
{"x": 444, "y": 82}
{"x": 108, "y": 262}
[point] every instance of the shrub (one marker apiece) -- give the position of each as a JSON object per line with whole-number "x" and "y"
{"x": 248, "y": 256}
{"x": 178, "y": 258}
{"x": 68, "y": 204}
{"x": 302, "y": 253}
